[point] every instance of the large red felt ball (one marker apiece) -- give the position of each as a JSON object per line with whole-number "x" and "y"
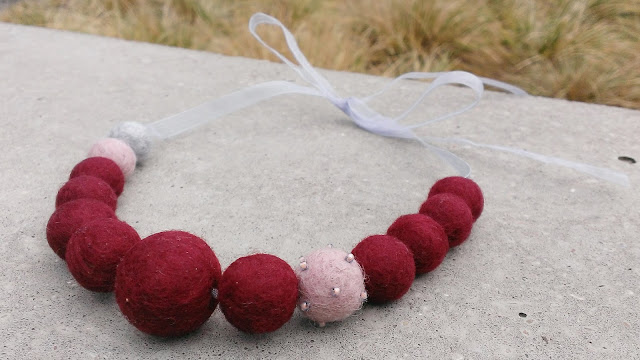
{"x": 424, "y": 237}
{"x": 465, "y": 188}
{"x": 164, "y": 283}
{"x": 87, "y": 187}
{"x": 95, "y": 250}
{"x": 258, "y": 293}
{"x": 69, "y": 217}
{"x": 103, "y": 168}
{"x": 388, "y": 266}
{"x": 452, "y": 213}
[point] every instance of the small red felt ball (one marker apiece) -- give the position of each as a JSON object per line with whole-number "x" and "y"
{"x": 388, "y": 266}
{"x": 163, "y": 284}
{"x": 424, "y": 237}
{"x": 87, "y": 187}
{"x": 95, "y": 250}
{"x": 258, "y": 293}
{"x": 452, "y": 213}
{"x": 465, "y": 188}
{"x": 69, "y": 217}
{"x": 103, "y": 168}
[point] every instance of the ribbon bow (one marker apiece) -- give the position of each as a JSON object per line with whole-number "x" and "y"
{"x": 357, "y": 109}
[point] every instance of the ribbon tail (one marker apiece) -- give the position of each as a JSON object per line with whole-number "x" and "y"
{"x": 609, "y": 175}
{"x": 179, "y": 123}
{"x": 453, "y": 160}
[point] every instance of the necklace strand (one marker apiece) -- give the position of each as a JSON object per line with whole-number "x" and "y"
{"x": 169, "y": 283}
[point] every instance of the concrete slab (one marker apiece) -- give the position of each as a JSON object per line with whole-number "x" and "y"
{"x": 552, "y": 268}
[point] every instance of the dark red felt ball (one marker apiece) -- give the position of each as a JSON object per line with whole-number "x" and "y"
{"x": 452, "y": 213}
{"x": 424, "y": 237}
{"x": 103, "y": 168}
{"x": 95, "y": 250}
{"x": 163, "y": 284}
{"x": 465, "y": 188}
{"x": 388, "y": 266}
{"x": 258, "y": 293}
{"x": 69, "y": 217}
{"x": 89, "y": 187}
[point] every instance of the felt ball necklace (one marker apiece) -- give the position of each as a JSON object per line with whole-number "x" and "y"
{"x": 169, "y": 283}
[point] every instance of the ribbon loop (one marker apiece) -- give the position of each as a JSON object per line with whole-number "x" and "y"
{"x": 304, "y": 69}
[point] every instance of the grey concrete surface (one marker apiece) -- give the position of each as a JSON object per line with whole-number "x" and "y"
{"x": 551, "y": 271}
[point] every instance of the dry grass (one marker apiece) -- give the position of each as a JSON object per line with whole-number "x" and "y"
{"x": 584, "y": 50}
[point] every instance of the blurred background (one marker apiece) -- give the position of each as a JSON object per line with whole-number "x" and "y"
{"x": 582, "y": 50}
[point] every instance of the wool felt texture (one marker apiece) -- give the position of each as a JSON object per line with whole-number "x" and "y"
{"x": 163, "y": 284}
{"x": 425, "y": 238}
{"x": 118, "y": 151}
{"x": 464, "y": 188}
{"x": 388, "y": 266}
{"x": 87, "y": 187}
{"x": 136, "y": 135}
{"x": 331, "y": 287}
{"x": 452, "y": 213}
{"x": 103, "y": 168}
{"x": 95, "y": 250}
{"x": 69, "y": 217}
{"x": 258, "y": 293}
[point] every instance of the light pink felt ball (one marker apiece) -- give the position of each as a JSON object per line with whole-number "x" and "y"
{"x": 330, "y": 285}
{"x": 118, "y": 151}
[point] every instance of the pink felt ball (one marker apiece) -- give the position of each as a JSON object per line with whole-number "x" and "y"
{"x": 388, "y": 267}
{"x": 89, "y": 187}
{"x": 95, "y": 250}
{"x": 331, "y": 285}
{"x": 69, "y": 217}
{"x": 164, "y": 283}
{"x": 465, "y": 188}
{"x": 452, "y": 213}
{"x": 424, "y": 237}
{"x": 118, "y": 151}
{"x": 258, "y": 293}
{"x": 103, "y": 168}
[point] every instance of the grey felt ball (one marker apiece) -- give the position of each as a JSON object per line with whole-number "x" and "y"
{"x": 136, "y": 135}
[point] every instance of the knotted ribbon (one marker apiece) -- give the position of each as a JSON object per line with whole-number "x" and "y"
{"x": 358, "y": 109}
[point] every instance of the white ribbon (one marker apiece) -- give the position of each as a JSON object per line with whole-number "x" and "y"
{"x": 358, "y": 110}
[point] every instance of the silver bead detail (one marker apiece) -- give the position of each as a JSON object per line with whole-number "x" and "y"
{"x": 304, "y": 306}
{"x": 349, "y": 258}
{"x": 335, "y": 291}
